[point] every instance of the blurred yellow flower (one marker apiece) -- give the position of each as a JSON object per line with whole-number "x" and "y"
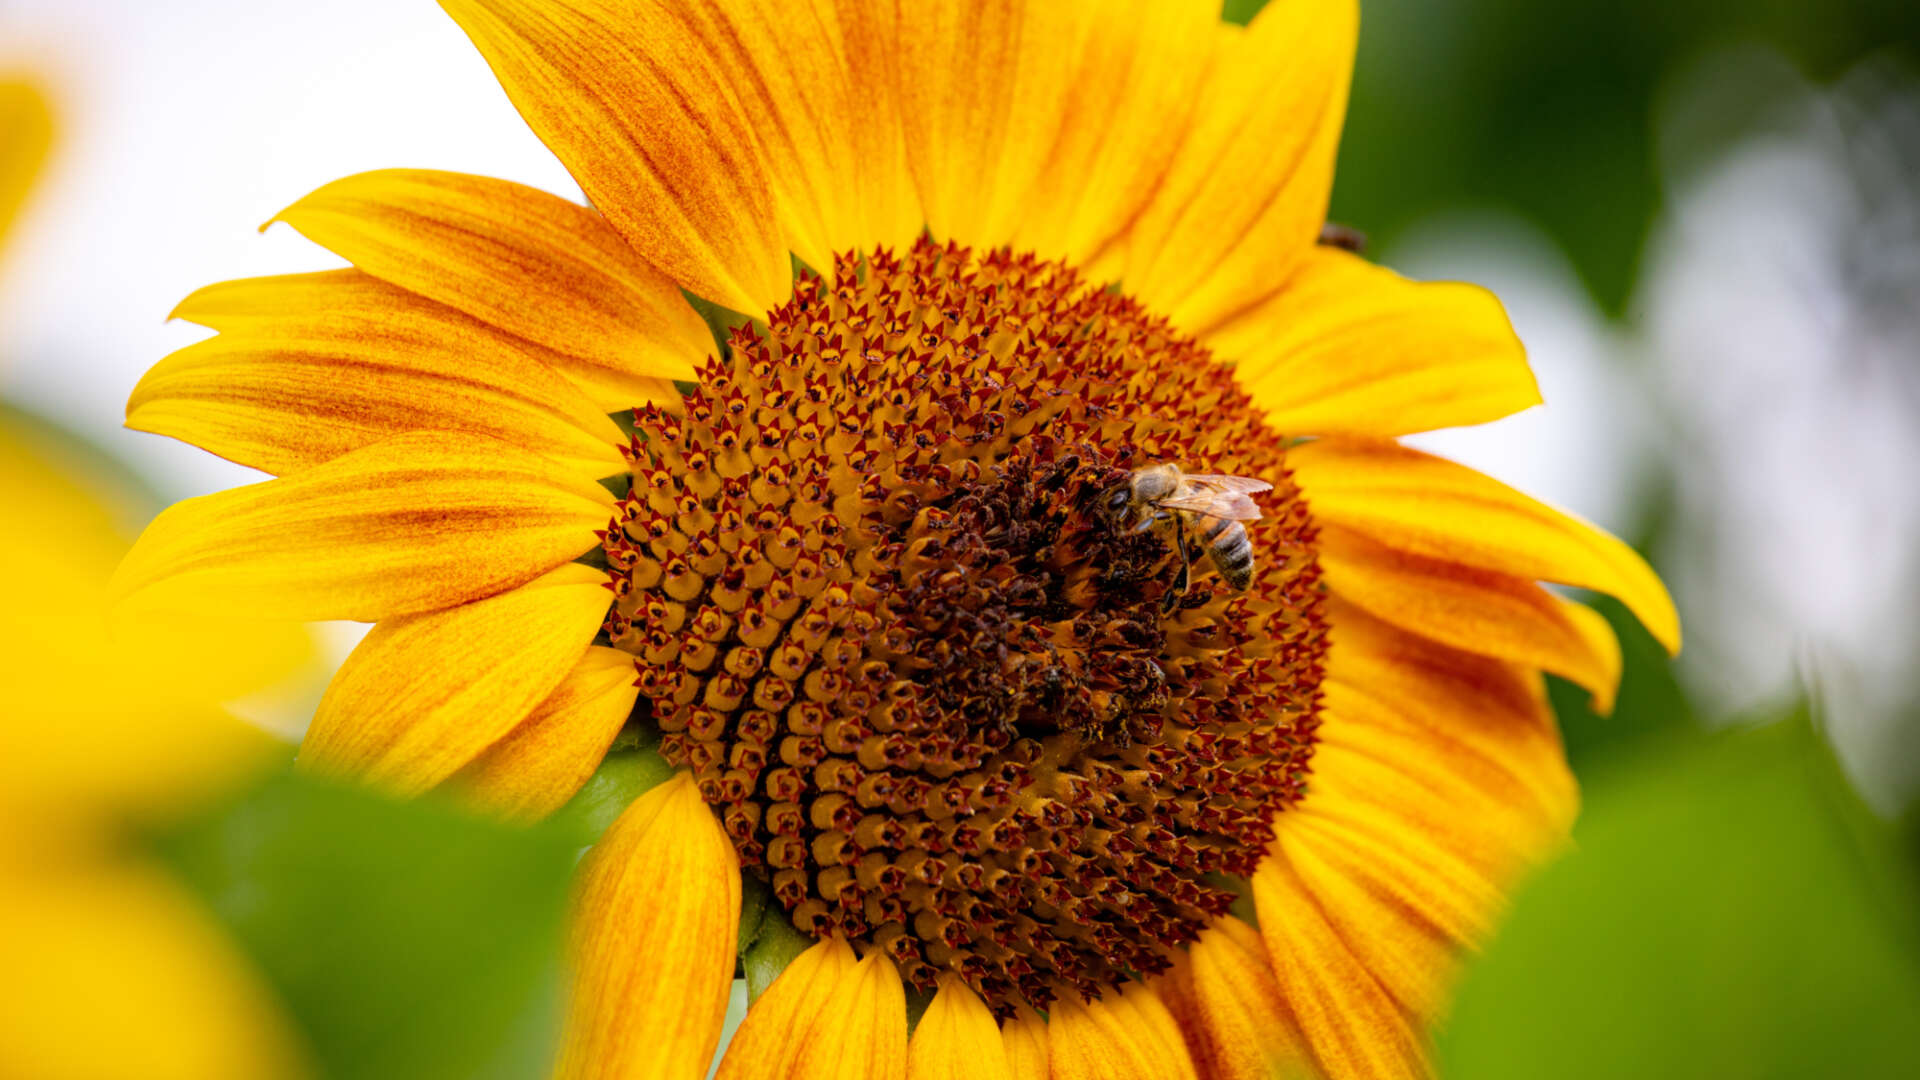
{"x": 111, "y": 967}
{"x": 26, "y": 131}
{"x": 869, "y": 582}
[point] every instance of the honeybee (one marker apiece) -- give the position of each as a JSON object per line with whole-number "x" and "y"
{"x": 1208, "y": 506}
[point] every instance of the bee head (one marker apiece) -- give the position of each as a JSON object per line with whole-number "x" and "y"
{"x": 1117, "y": 500}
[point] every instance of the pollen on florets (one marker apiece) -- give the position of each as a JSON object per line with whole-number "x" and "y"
{"x": 940, "y": 700}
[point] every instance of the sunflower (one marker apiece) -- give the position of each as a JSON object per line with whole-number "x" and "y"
{"x": 1009, "y": 750}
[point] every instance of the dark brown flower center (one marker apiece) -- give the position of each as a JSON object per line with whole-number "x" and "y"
{"x": 938, "y": 692}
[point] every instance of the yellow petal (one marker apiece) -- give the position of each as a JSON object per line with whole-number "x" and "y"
{"x": 1432, "y": 507}
{"x": 957, "y": 1038}
{"x": 886, "y": 191}
{"x": 1095, "y": 1041}
{"x": 115, "y": 971}
{"x": 1140, "y": 1008}
{"x": 1476, "y": 610}
{"x": 1248, "y": 190}
{"x": 1438, "y": 779}
{"x": 862, "y": 1027}
{"x": 1349, "y": 348}
{"x": 1025, "y": 1039}
{"x": 1406, "y": 913}
{"x": 821, "y": 109}
{"x": 1476, "y": 729}
{"x": 535, "y": 768}
{"x": 1352, "y": 1028}
{"x": 26, "y": 131}
{"x": 1222, "y": 992}
{"x": 422, "y": 696}
{"x": 765, "y": 1046}
{"x": 415, "y": 523}
{"x": 638, "y": 109}
{"x": 655, "y": 928}
{"x": 984, "y": 90}
{"x": 827, "y": 1015}
{"x": 1134, "y": 74}
{"x": 515, "y": 257}
{"x": 311, "y": 366}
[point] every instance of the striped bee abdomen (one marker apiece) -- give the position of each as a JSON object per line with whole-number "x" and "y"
{"x": 1230, "y": 550}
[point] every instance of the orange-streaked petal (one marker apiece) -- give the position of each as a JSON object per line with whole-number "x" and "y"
{"x": 312, "y": 366}
{"x": 824, "y": 117}
{"x": 1353, "y": 1029}
{"x": 1470, "y": 727}
{"x": 1479, "y": 611}
{"x": 415, "y": 523}
{"x": 518, "y": 258}
{"x": 656, "y": 923}
{"x": 1135, "y": 68}
{"x": 422, "y": 696}
{"x": 1406, "y": 914}
{"x": 1438, "y": 779}
{"x": 1433, "y": 507}
{"x": 862, "y": 1027}
{"x": 984, "y": 90}
{"x": 26, "y": 132}
{"x": 631, "y": 100}
{"x": 769, "y": 1039}
{"x": 1025, "y": 1039}
{"x": 1248, "y": 190}
{"x": 1139, "y": 1007}
{"x": 887, "y": 195}
{"x": 957, "y": 1038}
{"x": 549, "y": 756}
{"x": 1350, "y": 348}
{"x": 115, "y": 970}
{"x": 1222, "y": 992}
{"x": 1097, "y": 1041}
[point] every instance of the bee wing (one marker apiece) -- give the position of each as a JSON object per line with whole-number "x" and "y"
{"x": 1232, "y": 505}
{"x": 1229, "y": 483}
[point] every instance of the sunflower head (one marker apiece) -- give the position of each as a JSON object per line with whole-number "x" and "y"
{"x": 942, "y": 700}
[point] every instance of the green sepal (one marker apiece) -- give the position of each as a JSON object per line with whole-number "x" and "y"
{"x": 753, "y": 910}
{"x": 624, "y": 775}
{"x": 773, "y": 948}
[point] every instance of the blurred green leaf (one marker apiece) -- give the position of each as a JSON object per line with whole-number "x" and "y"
{"x": 1729, "y": 910}
{"x": 407, "y": 940}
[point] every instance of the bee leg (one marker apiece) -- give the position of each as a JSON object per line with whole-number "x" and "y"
{"x": 1179, "y": 589}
